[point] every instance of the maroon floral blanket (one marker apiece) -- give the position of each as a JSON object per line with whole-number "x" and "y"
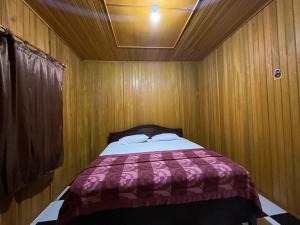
{"x": 155, "y": 178}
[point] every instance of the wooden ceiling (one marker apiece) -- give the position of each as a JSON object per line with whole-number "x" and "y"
{"x": 85, "y": 25}
{"x": 133, "y": 27}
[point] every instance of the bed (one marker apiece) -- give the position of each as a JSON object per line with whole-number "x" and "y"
{"x": 116, "y": 188}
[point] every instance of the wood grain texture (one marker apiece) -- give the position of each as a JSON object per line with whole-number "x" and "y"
{"x": 27, "y": 204}
{"x": 228, "y": 101}
{"x": 245, "y": 113}
{"x": 127, "y": 94}
{"x": 132, "y": 27}
{"x": 85, "y": 26}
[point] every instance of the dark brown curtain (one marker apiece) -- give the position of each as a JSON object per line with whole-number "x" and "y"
{"x": 36, "y": 133}
{"x": 5, "y": 107}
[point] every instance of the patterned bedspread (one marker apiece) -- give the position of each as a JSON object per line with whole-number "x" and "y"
{"x": 155, "y": 178}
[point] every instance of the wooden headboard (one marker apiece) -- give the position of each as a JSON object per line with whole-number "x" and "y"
{"x": 149, "y": 130}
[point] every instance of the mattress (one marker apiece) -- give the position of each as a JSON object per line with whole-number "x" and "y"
{"x": 149, "y": 146}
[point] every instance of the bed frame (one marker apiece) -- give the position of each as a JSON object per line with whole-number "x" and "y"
{"x": 149, "y": 130}
{"x": 233, "y": 211}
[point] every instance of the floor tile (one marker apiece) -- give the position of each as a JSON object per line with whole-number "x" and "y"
{"x": 286, "y": 219}
{"x": 262, "y": 215}
{"x": 50, "y": 213}
{"x": 63, "y": 194}
{"x": 47, "y": 223}
{"x": 271, "y": 221}
{"x": 263, "y": 221}
{"x": 269, "y": 207}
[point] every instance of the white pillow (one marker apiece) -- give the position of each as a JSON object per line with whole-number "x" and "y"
{"x": 165, "y": 137}
{"x": 138, "y": 138}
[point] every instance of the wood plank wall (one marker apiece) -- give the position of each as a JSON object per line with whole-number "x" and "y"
{"x": 26, "y": 205}
{"x": 248, "y": 116}
{"x": 126, "y": 94}
{"x": 228, "y": 102}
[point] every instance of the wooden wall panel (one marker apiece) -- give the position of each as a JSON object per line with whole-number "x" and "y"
{"x": 245, "y": 113}
{"x": 27, "y": 204}
{"x": 126, "y": 94}
{"x": 228, "y": 102}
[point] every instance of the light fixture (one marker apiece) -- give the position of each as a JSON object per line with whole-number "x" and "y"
{"x": 154, "y": 16}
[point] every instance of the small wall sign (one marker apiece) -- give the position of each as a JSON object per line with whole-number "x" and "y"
{"x": 277, "y": 74}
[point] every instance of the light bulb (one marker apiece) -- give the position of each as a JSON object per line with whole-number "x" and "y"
{"x": 154, "y": 16}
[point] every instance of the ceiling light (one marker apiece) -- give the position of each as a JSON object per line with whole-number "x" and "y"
{"x": 154, "y": 16}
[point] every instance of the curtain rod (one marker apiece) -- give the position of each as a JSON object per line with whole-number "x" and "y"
{"x": 27, "y": 43}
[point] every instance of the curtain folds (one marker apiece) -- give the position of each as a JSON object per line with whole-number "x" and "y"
{"x": 34, "y": 138}
{"x": 5, "y": 101}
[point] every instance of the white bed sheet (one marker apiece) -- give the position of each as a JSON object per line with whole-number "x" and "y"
{"x": 151, "y": 146}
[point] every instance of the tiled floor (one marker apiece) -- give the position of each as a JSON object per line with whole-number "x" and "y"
{"x": 273, "y": 214}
